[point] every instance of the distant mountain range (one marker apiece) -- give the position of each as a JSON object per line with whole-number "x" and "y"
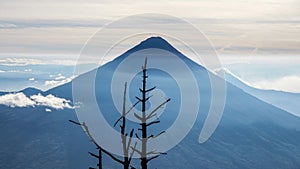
{"x": 27, "y": 91}
{"x": 283, "y": 100}
{"x": 251, "y": 134}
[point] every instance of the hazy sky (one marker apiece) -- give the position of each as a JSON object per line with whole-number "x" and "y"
{"x": 55, "y": 27}
{"x": 53, "y": 31}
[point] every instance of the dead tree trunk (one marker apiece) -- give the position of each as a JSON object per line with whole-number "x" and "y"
{"x": 144, "y": 118}
{"x": 126, "y": 143}
{"x": 100, "y": 159}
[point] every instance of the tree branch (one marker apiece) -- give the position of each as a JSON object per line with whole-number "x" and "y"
{"x": 126, "y": 113}
{"x": 150, "y": 89}
{"x": 138, "y": 137}
{"x": 153, "y": 122}
{"x": 129, "y": 140}
{"x": 132, "y": 152}
{"x": 93, "y": 155}
{"x": 137, "y": 116}
{"x": 132, "y": 107}
{"x": 136, "y": 150}
{"x": 148, "y": 97}
{"x": 152, "y": 158}
{"x": 106, "y": 152}
{"x": 152, "y": 136}
{"x": 145, "y": 64}
{"x": 138, "y": 98}
{"x": 75, "y": 122}
{"x": 150, "y": 115}
{"x": 154, "y": 152}
{"x": 112, "y": 156}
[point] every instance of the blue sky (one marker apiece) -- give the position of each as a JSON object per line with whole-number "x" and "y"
{"x": 263, "y": 34}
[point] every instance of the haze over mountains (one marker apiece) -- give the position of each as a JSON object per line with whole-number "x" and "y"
{"x": 251, "y": 134}
{"x": 284, "y": 100}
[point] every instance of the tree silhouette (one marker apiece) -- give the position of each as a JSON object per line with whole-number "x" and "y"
{"x": 100, "y": 149}
{"x": 144, "y": 121}
{"x": 126, "y": 143}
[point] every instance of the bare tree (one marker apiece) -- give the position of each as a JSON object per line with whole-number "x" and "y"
{"x": 126, "y": 143}
{"x": 100, "y": 149}
{"x": 144, "y": 121}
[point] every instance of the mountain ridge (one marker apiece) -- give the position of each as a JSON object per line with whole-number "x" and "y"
{"x": 283, "y": 100}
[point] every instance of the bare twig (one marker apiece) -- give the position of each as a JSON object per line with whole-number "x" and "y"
{"x": 153, "y": 111}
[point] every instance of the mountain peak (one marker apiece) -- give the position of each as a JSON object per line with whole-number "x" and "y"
{"x": 154, "y": 42}
{"x": 31, "y": 91}
{"x": 154, "y": 39}
{"x": 157, "y": 42}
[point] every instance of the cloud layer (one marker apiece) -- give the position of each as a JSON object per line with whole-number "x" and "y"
{"x": 59, "y": 80}
{"x": 21, "y": 100}
{"x": 287, "y": 83}
{"x": 16, "y": 100}
{"x": 51, "y": 101}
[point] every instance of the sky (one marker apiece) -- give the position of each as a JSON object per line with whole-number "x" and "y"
{"x": 263, "y": 34}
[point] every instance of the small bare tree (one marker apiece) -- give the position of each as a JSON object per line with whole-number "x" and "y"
{"x": 126, "y": 143}
{"x": 144, "y": 121}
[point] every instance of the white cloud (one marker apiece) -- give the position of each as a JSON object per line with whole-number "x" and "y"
{"x": 19, "y": 61}
{"x": 34, "y": 59}
{"x": 51, "y": 83}
{"x": 28, "y": 70}
{"x": 48, "y": 110}
{"x": 287, "y": 83}
{"x": 21, "y": 100}
{"x": 31, "y": 79}
{"x": 267, "y": 72}
{"x": 2, "y": 71}
{"x": 7, "y": 25}
{"x": 58, "y": 82}
{"x": 16, "y": 100}
{"x": 60, "y": 77}
{"x": 51, "y": 101}
{"x": 13, "y": 71}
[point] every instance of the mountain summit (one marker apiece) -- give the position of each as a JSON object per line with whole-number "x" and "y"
{"x": 153, "y": 42}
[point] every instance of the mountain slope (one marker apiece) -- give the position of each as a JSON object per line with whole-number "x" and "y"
{"x": 251, "y": 134}
{"x": 283, "y": 100}
{"x": 31, "y": 91}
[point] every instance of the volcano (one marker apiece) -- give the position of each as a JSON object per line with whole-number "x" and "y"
{"x": 251, "y": 134}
